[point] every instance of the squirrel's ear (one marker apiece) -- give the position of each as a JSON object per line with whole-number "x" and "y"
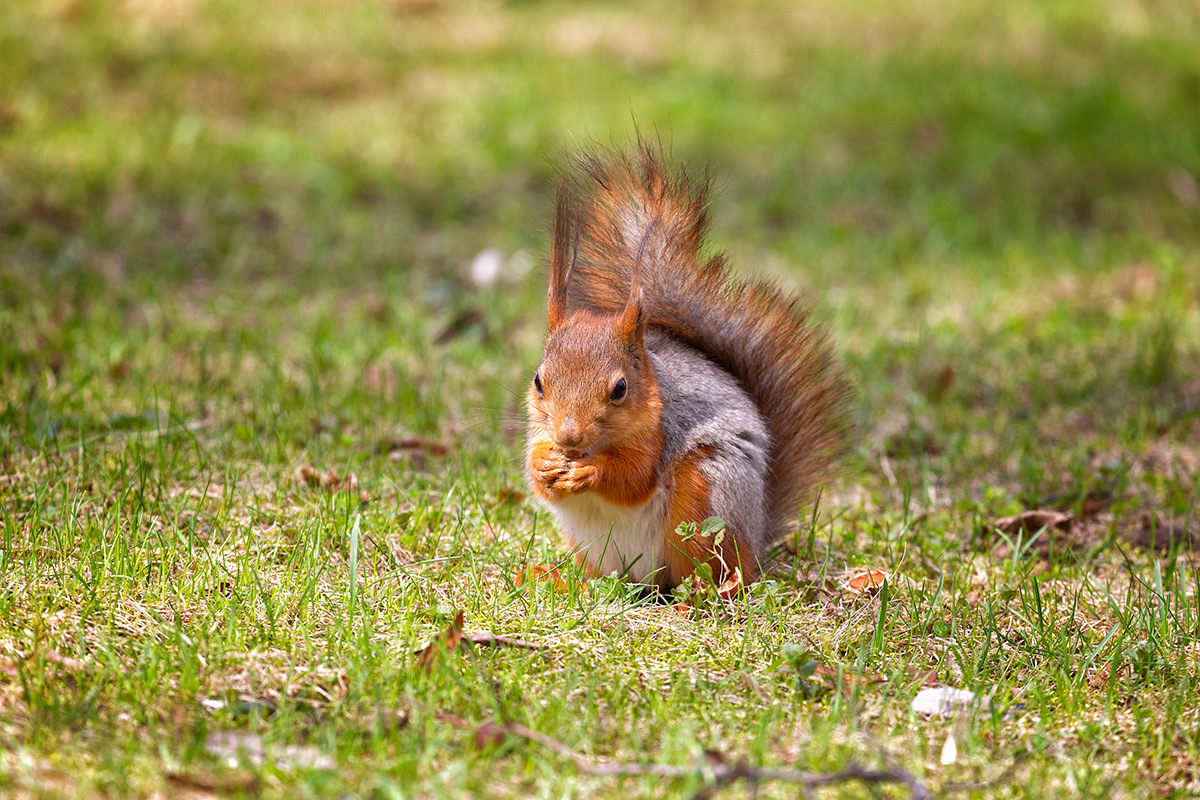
{"x": 632, "y": 322}
{"x": 562, "y": 259}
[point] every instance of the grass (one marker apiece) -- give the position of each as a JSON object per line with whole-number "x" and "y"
{"x": 234, "y": 242}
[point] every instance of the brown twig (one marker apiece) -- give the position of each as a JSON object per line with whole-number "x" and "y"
{"x": 974, "y": 786}
{"x": 495, "y": 640}
{"x": 450, "y": 639}
{"x": 723, "y": 774}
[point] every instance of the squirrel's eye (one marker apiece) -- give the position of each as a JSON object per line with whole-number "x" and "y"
{"x": 537, "y": 382}
{"x": 618, "y": 391}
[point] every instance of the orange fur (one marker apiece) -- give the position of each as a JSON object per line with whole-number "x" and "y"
{"x": 761, "y": 335}
{"x": 626, "y": 257}
{"x": 690, "y": 503}
{"x": 628, "y": 472}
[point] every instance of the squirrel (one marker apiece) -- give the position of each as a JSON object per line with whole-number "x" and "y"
{"x": 670, "y": 391}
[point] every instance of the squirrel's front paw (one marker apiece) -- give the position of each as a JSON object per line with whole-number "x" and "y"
{"x": 549, "y": 467}
{"x": 577, "y": 478}
{"x": 559, "y": 475}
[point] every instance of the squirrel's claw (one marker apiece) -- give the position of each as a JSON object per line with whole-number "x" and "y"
{"x": 578, "y": 478}
{"x": 558, "y": 474}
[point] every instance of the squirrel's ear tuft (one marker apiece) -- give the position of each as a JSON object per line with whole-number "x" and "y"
{"x": 562, "y": 258}
{"x": 632, "y": 323}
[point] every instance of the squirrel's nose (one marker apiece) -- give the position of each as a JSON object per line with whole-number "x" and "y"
{"x": 569, "y": 433}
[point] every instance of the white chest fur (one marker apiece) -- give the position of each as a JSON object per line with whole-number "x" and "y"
{"x": 628, "y": 541}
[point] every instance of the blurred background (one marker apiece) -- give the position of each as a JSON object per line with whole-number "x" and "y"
{"x": 272, "y": 290}
{"x": 282, "y": 215}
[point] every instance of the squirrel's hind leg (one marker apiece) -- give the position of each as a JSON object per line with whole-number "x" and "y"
{"x": 690, "y": 502}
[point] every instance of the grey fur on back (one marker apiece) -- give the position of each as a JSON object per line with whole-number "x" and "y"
{"x": 704, "y": 406}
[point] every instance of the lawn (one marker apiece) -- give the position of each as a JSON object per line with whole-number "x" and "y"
{"x": 261, "y": 400}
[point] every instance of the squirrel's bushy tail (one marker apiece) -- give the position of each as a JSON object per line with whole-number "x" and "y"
{"x": 617, "y": 205}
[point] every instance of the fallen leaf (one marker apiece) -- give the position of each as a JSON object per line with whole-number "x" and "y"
{"x": 849, "y": 679}
{"x": 1153, "y": 531}
{"x": 490, "y": 734}
{"x": 409, "y": 6}
{"x": 941, "y": 385}
{"x": 331, "y": 482}
{"x": 450, "y": 638}
{"x": 927, "y": 677}
{"x": 1138, "y": 282}
{"x": 684, "y": 610}
{"x": 1185, "y": 187}
{"x": 868, "y": 582}
{"x": 237, "y": 783}
{"x": 469, "y": 318}
{"x": 73, "y": 664}
{"x": 947, "y": 702}
{"x": 1034, "y": 520}
{"x": 309, "y": 475}
{"x": 431, "y": 446}
{"x": 753, "y": 685}
{"x": 509, "y": 494}
{"x": 732, "y": 585}
{"x": 540, "y": 573}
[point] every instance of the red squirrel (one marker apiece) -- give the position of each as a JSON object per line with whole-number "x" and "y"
{"x": 670, "y": 391}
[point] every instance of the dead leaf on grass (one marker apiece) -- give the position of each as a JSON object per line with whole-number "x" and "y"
{"x": 1185, "y": 187}
{"x": 541, "y": 573}
{"x": 66, "y": 662}
{"x": 940, "y": 382}
{"x": 927, "y": 677}
{"x": 753, "y": 685}
{"x": 732, "y": 585}
{"x": 237, "y": 783}
{"x": 464, "y": 321}
{"x": 416, "y": 445}
{"x": 849, "y": 679}
{"x": 427, "y": 657}
{"x": 330, "y": 481}
{"x": 490, "y": 734}
{"x": 1034, "y": 520}
{"x": 1138, "y": 282}
{"x": 1151, "y": 530}
{"x": 867, "y": 582}
{"x": 684, "y": 610}
{"x": 509, "y": 494}
{"x": 415, "y": 6}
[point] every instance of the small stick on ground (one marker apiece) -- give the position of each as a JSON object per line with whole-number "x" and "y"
{"x": 495, "y": 640}
{"x": 724, "y": 774}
